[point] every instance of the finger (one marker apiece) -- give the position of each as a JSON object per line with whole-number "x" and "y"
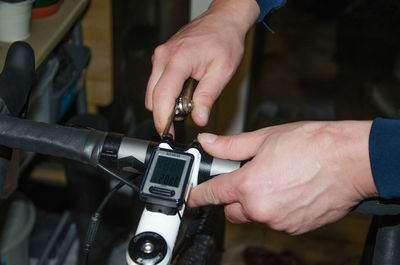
{"x": 159, "y": 61}
{"x": 167, "y": 90}
{"x": 237, "y": 147}
{"x": 206, "y": 93}
{"x": 219, "y": 190}
{"x": 235, "y": 214}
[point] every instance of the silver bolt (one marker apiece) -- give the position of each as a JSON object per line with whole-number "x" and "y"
{"x": 147, "y": 247}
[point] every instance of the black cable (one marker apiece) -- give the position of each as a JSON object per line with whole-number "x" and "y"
{"x": 106, "y": 199}
{"x": 121, "y": 179}
{"x": 95, "y": 219}
{"x": 179, "y": 246}
{"x": 179, "y": 213}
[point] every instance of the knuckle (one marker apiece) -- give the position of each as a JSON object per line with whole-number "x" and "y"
{"x": 229, "y": 144}
{"x": 179, "y": 47}
{"x": 157, "y": 93}
{"x": 224, "y": 195}
{"x": 246, "y": 186}
{"x": 175, "y": 54}
{"x": 206, "y": 97}
{"x": 217, "y": 194}
{"x": 177, "y": 58}
{"x": 281, "y": 225}
{"x": 267, "y": 215}
{"x": 294, "y": 231}
{"x": 210, "y": 195}
{"x": 228, "y": 67}
{"x": 277, "y": 224}
{"x": 159, "y": 51}
{"x": 162, "y": 95}
{"x": 284, "y": 224}
{"x": 229, "y": 215}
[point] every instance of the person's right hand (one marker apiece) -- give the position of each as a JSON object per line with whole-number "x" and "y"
{"x": 208, "y": 49}
{"x": 302, "y": 175}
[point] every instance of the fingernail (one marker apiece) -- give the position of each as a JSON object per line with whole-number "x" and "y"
{"x": 207, "y": 138}
{"x": 203, "y": 113}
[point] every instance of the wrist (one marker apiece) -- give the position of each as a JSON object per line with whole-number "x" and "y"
{"x": 240, "y": 13}
{"x": 353, "y": 141}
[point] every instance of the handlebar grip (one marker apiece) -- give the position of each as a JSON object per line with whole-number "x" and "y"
{"x": 212, "y": 166}
{"x": 73, "y": 143}
{"x": 16, "y": 78}
{"x": 222, "y": 166}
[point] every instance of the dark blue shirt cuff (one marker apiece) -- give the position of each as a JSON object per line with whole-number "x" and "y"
{"x": 384, "y": 152}
{"x": 267, "y": 6}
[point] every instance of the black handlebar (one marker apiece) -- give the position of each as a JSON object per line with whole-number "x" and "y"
{"x": 51, "y": 139}
{"x": 92, "y": 146}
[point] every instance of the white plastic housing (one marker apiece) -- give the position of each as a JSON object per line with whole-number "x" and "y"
{"x": 167, "y": 226}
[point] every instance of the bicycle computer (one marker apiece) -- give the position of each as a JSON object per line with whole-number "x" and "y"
{"x": 164, "y": 184}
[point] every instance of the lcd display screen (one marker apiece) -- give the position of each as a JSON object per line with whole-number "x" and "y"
{"x": 168, "y": 171}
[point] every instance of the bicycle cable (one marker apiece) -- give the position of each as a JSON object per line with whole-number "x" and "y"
{"x": 121, "y": 179}
{"x": 95, "y": 219}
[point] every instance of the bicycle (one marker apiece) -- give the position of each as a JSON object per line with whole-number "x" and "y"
{"x": 170, "y": 170}
{"x": 107, "y": 150}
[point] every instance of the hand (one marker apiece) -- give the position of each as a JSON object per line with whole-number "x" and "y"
{"x": 302, "y": 176}
{"x": 208, "y": 49}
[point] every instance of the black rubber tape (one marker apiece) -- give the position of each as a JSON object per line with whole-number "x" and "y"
{"x": 109, "y": 152}
{"x": 51, "y": 139}
{"x": 205, "y": 168}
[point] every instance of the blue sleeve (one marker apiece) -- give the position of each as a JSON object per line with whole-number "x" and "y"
{"x": 267, "y": 6}
{"x": 384, "y": 152}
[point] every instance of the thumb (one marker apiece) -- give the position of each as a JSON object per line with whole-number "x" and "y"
{"x": 218, "y": 190}
{"x": 236, "y": 147}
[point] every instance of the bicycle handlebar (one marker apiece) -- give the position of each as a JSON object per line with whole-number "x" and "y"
{"x": 50, "y": 139}
{"x": 92, "y": 146}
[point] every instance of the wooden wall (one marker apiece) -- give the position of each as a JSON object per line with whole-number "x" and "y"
{"x": 97, "y": 34}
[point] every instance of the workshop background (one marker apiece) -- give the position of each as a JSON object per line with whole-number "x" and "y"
{"x": 317, "y": 60}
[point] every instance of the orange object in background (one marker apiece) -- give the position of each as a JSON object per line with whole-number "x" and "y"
{"x": 46, "y": 11}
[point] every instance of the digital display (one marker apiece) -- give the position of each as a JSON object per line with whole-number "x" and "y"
{"x": 168, "y": 171}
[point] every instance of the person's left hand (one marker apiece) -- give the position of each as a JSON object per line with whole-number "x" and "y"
{"x": 208, "y": 49}
{"x": 302, "y": 176}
